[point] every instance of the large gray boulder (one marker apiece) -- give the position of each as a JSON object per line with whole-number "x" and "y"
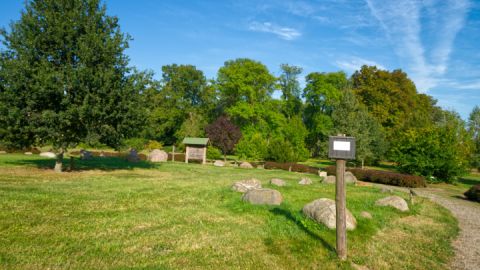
{"x": 305, "y": 181}
{"x": 219, "y": 163}
{"x": 393, "y": 201}
{"x": 350, "y": 178}
{"x": 246, "y": 165}
{"x": 48, "y": 154}
{"x": 277, "y": 182}
{"x": 323, "y": 211}
{"x": 263, "y": 196}
{"x": 246, "y": 185}
{"x": 158, "y": 155}
{"x": 331, "y": 179}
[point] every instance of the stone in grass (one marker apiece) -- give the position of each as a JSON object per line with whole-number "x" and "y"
{"x": 219, "y": 163}
{"x": 365, "y": 214}
{"x": 278, "y": 182}
{"x": 85, "y": 155}
{"x": 2, "y": 152}
{"x": 331, "y": 179}
{"x": 48, "y": 154}
{"x": 263, "y": 196}
{"x": 305, "y": 181}
{"x": 323, "y": 211}
{"x": 393, "y": 201}
{"x": 28, "y": 153}
{"x": 158, "y": 155}
{"x": 133, "y": 156}
{"x": 246, "y": 185}
{"x": 350, "y": 178}
{"x": 246, "y": 165}
{"x": 322, "y": 174}
{"x": 386, "y": 190}
{"x": 473, "y": 193}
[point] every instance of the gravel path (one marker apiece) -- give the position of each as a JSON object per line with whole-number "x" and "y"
{"x": 467, "y": 244}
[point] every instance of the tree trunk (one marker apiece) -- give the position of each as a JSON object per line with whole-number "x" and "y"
{"x": 59, "y": 162}
{"x": 72, "y": 164}
{"x": 224, "y": 157}
{"x": 363, "y": 161}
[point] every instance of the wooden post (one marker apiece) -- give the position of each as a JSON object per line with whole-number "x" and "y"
{"x": 186, "y": 154}
{"x": 204, "y": 161}
{"x": 173, "y": 153}
{"x": 340, "y": 205}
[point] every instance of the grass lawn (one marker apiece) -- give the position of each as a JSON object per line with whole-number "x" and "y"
{"x": 112, "y": 214}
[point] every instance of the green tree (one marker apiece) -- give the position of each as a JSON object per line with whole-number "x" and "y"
{"x": 439, "y": 152}
{"x": 474, "y": 129}
{"x": 185, "y": 92}
{"x": 291, "y": 90}
{"x": 351, "y": 118}
{"x": 322, "y": 92}
{"x": 193, "y": 126}
{"x": 65, "y": 77}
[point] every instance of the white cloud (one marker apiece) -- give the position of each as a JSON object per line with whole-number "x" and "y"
{"x": 355, "y": 63}
{"x": 286, "y": 33}
{"x": 404, "y": 24}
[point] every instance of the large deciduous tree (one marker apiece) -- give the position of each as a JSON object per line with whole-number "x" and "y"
{"x": 291, "y": 90}
{"x": 65, "y": 77}
{"x": 474, "y": 129}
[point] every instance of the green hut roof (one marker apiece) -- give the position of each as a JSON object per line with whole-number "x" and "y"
{"x": 195, "y": 141}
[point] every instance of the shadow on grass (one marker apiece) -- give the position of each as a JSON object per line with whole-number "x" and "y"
{"x": 469, "y": 181}
{"x": 96, "y": 163}
{"x": 298, "y": 220}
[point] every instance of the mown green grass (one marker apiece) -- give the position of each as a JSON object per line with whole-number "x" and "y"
{"x": 112, "y": 214}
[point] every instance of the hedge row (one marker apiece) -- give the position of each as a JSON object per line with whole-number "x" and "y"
{"x": 384, "y": 177}
{"x": 290, "y": 166}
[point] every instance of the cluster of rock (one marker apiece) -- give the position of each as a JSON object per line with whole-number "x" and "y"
{"x": 331, "y": 179}
{"x": 255, "y": 194}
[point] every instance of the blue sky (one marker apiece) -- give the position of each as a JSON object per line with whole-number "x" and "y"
{"x": 435, "y": 41}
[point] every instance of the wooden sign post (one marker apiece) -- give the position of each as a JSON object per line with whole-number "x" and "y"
{"x": 341, "y": 148}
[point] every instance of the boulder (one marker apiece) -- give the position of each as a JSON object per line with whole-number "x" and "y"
{"x": 305, "y": 181}
{"x": 28, "y": 153}
{"x": 365, "y": 214}
{"x": 246, "y": 165}
{"x": 322, "y": 174}
{"x": 219, "y": 163}
{"x": 133, "y": 156}
{"x": 323, "y": 211}
{"x": 246, "y": 185}
{"x": 278, "y": 182}
{"x": 386, "y": 190}
{"x": 260, "y": 167}
{"x": 331, "y": 179}
{"x": 158, "y": 155}
{"x": 48, "y": 154}
{"x": 263, "y": 196}
{"x": 85, "y": 155}
{"x": 473, "y": 193}
{"x": 393, "y": 201}
{"x": 350, "y": 178}
{"x": 3, "y": 152}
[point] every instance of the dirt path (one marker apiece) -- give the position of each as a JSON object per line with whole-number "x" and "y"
{"x": 467, "y": 244}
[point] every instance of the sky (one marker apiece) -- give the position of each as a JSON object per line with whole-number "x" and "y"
{"x": 436, "y": 42}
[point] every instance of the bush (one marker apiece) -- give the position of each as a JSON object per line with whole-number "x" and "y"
{"x": 152, "y": 144}
{"x": 135, "y": 143}
{"x": 473, "y": 193}
{"x": 281, "y": 150}
{"x": 213, "y": 152}
{"x": 290, "y": 166}
{"x": 252, "y": 147}
{"x": 384, "y": 177}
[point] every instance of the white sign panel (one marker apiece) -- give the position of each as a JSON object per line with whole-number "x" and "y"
{"x": 341, "y": 146}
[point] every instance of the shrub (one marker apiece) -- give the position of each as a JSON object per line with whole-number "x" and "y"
{"x": 213, "y": 152}
{"x": 135, "y": 143}
{"x": 384, "y": 177}
{"x": 290, "y": 166}
{"x": 281, "y": 150}
{"x": 252, "y": 147}
{"x": 152, "y": 144}
{"x": 473, "y": 193}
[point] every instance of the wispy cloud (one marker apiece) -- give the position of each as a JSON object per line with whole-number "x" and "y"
{"x": 402, "y": 22}
{"x": 285, "y": 33}
{"x": 355, "y": 63}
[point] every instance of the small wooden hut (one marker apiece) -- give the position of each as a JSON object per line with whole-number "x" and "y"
{"x": 196, "y": 149}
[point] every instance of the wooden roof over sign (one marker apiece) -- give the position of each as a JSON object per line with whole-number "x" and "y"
{"x": 195, "y": 141}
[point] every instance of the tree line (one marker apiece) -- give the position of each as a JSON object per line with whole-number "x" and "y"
{"x": 65, "y": 79}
